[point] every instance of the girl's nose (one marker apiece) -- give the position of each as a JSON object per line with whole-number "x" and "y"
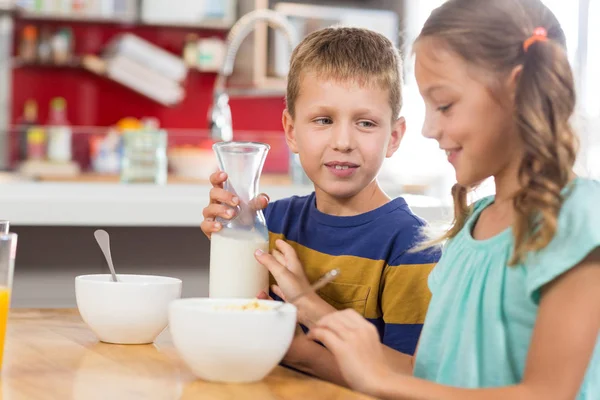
{"x": 431, "y": 128}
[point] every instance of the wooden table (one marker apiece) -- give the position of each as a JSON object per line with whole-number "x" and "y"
{"x": 51, "y": 354}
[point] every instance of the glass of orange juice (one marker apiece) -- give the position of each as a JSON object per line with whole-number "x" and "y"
{"x": 4, "y": 226}
{"x": 8, "y": 251}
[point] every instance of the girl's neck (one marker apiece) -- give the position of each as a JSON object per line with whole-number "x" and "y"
{"x": 507, "y": 183}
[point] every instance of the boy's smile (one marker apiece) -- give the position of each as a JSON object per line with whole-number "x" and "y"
{"x": 342, "y": 130}
{"x": 342, "y": 169}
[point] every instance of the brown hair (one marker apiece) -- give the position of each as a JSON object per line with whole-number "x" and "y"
{"x": 490, "y": 35}
{"x": 347, "y": 54}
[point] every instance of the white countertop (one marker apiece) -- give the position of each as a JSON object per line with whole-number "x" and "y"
{"x": 114, "y": 204}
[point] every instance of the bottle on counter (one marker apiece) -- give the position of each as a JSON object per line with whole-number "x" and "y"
{"x": 190, "y": 50}
{"x": 59, "y": 132}
{"x": 28, "y": 120}
{"x": 28, "y": 44}
{"x": 62, "y": 46}
{"x": 36, "y": 143}
{"x": 45, "y": 46}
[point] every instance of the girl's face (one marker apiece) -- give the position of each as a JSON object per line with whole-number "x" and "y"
{"x": 473, "y": 126}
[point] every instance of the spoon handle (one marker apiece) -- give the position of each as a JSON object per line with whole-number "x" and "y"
{"x": 104, "y": 242}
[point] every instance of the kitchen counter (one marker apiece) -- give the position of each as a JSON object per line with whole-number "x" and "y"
{"x": 154, "y": 230}
{"x": 106, "y": 203}
{"x": 51, "y": 354}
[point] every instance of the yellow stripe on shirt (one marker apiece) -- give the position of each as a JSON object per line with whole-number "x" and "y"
{"x": 370, "y": 287}
{"x": 405, "y": 295}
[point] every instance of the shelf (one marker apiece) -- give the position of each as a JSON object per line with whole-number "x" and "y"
{"x": 18, "y": 62}
{"x": 120, "y": 19}
{"x": 216, "y": 25}
{"x": 83, "y": 18}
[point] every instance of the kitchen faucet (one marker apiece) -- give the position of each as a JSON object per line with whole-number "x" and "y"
{"x": 219, "y": 115}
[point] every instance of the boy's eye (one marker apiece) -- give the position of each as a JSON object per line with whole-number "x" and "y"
{"x": 366, "y": 124}
{"x": 445, "y": 108}
{"x": 323, "y": 121}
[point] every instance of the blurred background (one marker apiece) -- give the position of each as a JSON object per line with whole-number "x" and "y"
{"x": 104, "y": 121}
{"x": 75, "y": 75}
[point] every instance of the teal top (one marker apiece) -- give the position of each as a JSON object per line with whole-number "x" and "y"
{"x": 482, "y": 312}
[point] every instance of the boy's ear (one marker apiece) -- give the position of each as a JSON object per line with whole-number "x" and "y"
{"x": 290, "y": 135}
{"x": 398, "y": 129}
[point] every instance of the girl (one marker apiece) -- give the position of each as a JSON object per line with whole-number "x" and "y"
{"x": 515, "y": 309}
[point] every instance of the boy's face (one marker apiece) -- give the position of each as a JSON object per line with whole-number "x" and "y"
{"x": 342, "y": 132}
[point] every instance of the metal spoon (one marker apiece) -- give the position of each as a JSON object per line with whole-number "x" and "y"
{"x": 104, "y": 242}
{"x": 322, "y": 281}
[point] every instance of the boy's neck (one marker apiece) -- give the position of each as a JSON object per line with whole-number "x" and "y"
{"x": 368, "y": 199}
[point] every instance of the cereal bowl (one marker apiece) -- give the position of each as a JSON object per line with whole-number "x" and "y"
{"x": 131, "y": 311}
{"x": 231, "y": 340}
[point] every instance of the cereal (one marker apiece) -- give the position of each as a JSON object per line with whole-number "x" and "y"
{"x": 251, "y": 306}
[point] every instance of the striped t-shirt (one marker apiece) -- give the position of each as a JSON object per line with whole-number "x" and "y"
{"x": 379, "y": 277}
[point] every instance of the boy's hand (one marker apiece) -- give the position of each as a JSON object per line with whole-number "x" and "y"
{"x": 294, "y": 355}
{"x": 223, "y": 203}
{"x": 287, "y": 270}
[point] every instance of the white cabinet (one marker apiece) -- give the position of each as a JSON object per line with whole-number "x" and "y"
{"x": 80, "y": 10}
{"x": 192, "y": 13}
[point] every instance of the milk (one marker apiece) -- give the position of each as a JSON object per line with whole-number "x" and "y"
{"x": 234, "y": 271}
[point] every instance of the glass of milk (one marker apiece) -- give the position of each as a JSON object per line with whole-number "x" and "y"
{"x": 234, "y": 272}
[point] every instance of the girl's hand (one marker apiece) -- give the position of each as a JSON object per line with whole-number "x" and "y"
{"x": 356, "y": 346}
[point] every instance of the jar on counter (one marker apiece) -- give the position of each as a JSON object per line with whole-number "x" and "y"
{"x": 144, "y": 157}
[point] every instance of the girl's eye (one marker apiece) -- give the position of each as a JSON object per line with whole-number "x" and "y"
{"x": 366, "y": 124}
{"x": 323, "y": 121}
{"x": 445, "y": 108}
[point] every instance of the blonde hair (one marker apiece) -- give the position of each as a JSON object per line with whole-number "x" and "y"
{"x": 347, "y": 54}
{"x": 490, "y": 35}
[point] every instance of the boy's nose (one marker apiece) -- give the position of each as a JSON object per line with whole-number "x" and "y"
{"x": 341, "y": 139}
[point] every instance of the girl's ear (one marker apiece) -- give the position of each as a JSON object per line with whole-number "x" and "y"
{"x": 513, "y": 80}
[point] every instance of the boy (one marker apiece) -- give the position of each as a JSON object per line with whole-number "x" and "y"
{"x": 342, "y": 118}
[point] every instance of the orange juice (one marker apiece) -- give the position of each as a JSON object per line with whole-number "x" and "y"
{"x": 4, "y": 306}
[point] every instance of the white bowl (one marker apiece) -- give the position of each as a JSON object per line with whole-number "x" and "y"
{"x": 221, "y": 344}
{"x": 193, "y": 163}
{"x": 131, "y": 311}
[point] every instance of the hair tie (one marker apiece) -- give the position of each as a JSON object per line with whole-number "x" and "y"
{"x": 539, "y": 35}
